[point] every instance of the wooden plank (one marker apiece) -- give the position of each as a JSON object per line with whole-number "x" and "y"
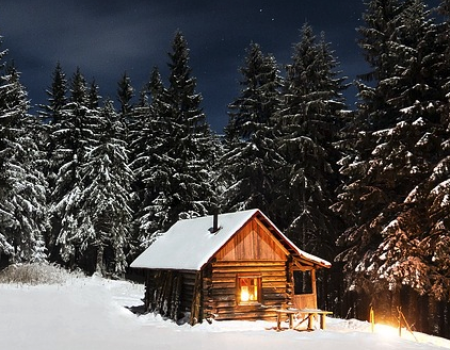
{"x": 196, "y": 302}
{"x": 246, "y": 316}
{"x": 278, "y": 297}
{"x": 232, "y": 284}
{"x": 224, "y": 285}
{"x": 275, "y": 240}
{"x": 275, "y": 284}
{"x": 237, "y": 268}
{"x": 266, "y": 276}
{"x": 264, "y": 271}
{"x": 222, "y": 304}
{"x": 250, "y": 266}
{"x": 251, "y": 243}
{"x": 274, "y": 279}
{"x": 212, "y": 300}
{"x": 223, "y": 291}
{"x": 249, "y": 263}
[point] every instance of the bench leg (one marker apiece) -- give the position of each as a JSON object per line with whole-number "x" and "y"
{"x": 322, "y": 321}
{"x": 291, "y": 321}
{"x": 278, "y": 322}
{"x": 310, "y": 322}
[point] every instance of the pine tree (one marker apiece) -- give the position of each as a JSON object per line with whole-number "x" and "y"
{"x": 125, "y": 94}
{"x": 250, "y": 162}
{"x": 148, "y": 144}
{"x": 436, "y": 188}
{"x": 310, "y": 118}
{"x": 56, "y": 96}
{"x": 105, "y": 196}
{"x": 93, "y": 98}
{"x": 384, "y": 197}
{"x": 51, "y": 114}
{"x": 71, "y": 137}
{"x": 178, "y": 181}
{"x": 192, "y": 193}
{"x": 23, "y": 205}
{"x": 31, "y": 197}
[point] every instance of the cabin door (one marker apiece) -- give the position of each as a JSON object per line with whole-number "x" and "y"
{"x": 304, "y": 290}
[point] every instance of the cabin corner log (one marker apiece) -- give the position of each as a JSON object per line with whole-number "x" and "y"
{"x": 196, "y": 313}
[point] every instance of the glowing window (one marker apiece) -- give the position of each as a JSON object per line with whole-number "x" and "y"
{"x": 249, "y": 290}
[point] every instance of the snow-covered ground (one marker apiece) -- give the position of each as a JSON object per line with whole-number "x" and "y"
{"x": 91, "y": 313}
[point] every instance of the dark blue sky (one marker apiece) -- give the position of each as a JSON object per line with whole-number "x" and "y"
{"x": 107, "y": 38}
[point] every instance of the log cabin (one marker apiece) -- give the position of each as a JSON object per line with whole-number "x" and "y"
{"x": 231, "y": 266}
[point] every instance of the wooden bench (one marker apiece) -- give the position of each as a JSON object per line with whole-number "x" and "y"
{"x": 307, "y": 314}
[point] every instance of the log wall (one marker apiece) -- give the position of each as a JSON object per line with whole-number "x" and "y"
{"x": 220, "y": 290}
{"x": 169, "y": 292}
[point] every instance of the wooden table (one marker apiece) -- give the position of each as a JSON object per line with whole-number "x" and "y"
{"x": 308, "y": 315}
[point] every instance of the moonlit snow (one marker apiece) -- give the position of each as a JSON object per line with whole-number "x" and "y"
{"x": 92, "y": 313}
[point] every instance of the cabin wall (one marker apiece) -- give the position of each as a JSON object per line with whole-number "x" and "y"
{"x": 305, "y": 300}
{"x": 220, "y": 290}
{"x": 252, "y": 242}
{"x": 170, "y": 292}
{"x": 252, "y": 252}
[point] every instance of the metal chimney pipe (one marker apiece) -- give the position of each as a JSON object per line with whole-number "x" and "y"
{"x": 215, "y": 227}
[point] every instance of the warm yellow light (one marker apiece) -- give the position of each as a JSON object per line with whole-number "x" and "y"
{"x": 245, "y": 296}
{"x": 386, "y": 331}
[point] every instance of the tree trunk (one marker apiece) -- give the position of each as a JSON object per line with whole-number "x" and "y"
{"x": 100, "y": 268}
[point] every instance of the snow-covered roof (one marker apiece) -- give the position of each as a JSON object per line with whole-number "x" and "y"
{"x": 189, "y": 244}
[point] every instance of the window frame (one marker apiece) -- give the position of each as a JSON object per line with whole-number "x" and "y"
{"x": 310, "y": 285}
{"x": 258, "y": 279}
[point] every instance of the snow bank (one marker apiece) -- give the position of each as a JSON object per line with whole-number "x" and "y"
{"x": 93, "y": 313}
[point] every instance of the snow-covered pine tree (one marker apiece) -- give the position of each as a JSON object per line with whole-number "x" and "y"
{"x": 250, "y": 162}
{"x": 381, "y": 19}
{"x": 310, "y": 119}
{"x": 105, "y": 195}
{"x": 93, "y": 97}
{"x": 56, "y": 96}
{"x": 32, "y": 197}
{"x": 147, "y": 144}
{"x": 50, "y": 114}
{"x": 384, "y": 198}
{"x": 71, "y": 135}
{"x": 179, "y": 177}
{"x": 436, "y": 188}
{"x": 125, "y": 94}
{"x": 23, "y": 189}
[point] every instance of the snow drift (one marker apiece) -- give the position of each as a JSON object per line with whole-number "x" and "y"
{"x": 94, "y": 313}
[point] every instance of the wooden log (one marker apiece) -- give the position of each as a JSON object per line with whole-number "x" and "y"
{"x": 274, "y": 279}
{"x": 246, "y": 315}
{"x": 248, "y": 269}
{"x": 224, "y": 285}
{"x": 270, "y": 263}
{"x": 174, "y": 301}
{"x": 197, "y": 301}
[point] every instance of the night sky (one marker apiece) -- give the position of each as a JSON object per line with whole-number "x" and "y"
{"x": 107, "y": 38}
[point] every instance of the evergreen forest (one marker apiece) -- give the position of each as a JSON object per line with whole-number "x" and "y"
{"x": 88, "y": 183}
